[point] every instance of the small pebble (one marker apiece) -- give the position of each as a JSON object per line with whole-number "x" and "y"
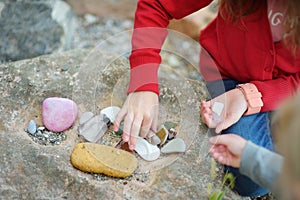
{"x": 57, "y": 142}
{"x": 63, "y": 137}
{"x": 31, "y": 127}
{"x": 39, "y": 134}
{"x": 41, "y": 128}
{"x": 52, "y": 139}
{"x": 65, "y": 68}
{"x": 172, "y": 133}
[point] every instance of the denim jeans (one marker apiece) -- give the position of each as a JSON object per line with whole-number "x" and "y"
{"x": 255, "y": 128}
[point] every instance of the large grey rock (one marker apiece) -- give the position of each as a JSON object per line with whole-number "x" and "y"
{"x": 94, "y": 81}
{"x": 33, "y": 28}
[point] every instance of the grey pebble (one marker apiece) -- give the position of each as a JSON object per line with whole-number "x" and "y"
{"x": 65, "y": 68}
{"x": 52, "y": 139}
{"x": 31, "y": 127}
{"x": 39, "y": 134}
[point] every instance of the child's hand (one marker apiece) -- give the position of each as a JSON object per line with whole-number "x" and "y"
{"x": 235, "y": 105}
{"x": 140, "y": 113}
{"x": 227, "y": 149}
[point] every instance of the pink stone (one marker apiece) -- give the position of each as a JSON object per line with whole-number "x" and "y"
{"x": 59, "y": 114}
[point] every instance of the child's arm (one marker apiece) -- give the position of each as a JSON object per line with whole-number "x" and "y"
{"x": 140, "y": 110}
{"x": 258, "y": 163}
{"x": 151, "y": 20}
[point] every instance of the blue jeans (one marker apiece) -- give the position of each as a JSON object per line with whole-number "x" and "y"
{"x": 255, "y": 128}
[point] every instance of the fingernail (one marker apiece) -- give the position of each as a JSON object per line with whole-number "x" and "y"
{"x": 131, "y": 147}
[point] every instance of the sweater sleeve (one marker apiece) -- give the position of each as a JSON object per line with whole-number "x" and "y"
{"x": 277, "y": 90}
{"x": 261, "y": 165}
{"x": 151, "y": 19}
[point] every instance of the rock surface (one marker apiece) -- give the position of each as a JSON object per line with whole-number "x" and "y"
{"x": 32, "y": 171}
{"x": 30, "y": 29}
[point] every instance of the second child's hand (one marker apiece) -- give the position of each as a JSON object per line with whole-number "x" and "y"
{"x": 235, "y": 105}
{"x": 140, "y": 114}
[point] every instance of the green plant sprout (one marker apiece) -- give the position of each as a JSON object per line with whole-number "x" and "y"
{"x": 228, "y": 182}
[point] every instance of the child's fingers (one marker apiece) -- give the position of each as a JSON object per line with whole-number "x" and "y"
{"x": 135, "y": 130}
{"x": 146, "y": 124}
{"x": 127, "y": 126}
{"x": 221, "y": 140}
{"x": 120, "y": 116}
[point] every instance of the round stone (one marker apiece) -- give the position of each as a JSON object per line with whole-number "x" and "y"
{"x": 59, "y": 114}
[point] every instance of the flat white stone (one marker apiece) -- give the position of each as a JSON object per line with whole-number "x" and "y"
{"x": 176, "y": 145}
{"x": 111, "y": 112}
{"x": 94, "y": 129}
{"x": 218, "y": 108}
{"x": 146, "y": 150}
{"x": 85, "y": 117}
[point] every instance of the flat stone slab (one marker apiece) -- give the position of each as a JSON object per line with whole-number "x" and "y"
{"x": 32, "y": 171}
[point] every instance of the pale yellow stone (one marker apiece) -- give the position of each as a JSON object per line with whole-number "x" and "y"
{"x": 101, "y": 159}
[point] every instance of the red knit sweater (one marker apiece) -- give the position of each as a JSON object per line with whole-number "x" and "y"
{"x": 243, "y": 51}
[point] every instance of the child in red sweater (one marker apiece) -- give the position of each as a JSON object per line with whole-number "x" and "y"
{"x": 245, "y": 61}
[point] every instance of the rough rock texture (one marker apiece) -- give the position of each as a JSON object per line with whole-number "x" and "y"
{"x": 33, "y": 28}
{"x": 32, "y": 171}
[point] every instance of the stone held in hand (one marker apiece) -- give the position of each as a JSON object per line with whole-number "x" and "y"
{"x": 59, "y": 114}
{"x": 176, "y": 145}
{"x": 86, "y": 116}
{"x": 94, "y": 129}
{"x": 217, "y": 109}
{"x": 111, "y": 112}
{"x": 146, "y": 150}
{"x": 102, "y": 159}
{"x": 31, "y": 128}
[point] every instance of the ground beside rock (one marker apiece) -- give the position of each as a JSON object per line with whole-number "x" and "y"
{"x": 33, "y": 28}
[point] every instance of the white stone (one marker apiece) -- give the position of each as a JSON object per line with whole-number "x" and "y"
{"x": 85, "y": 117}
{"x": 146, "y": 150}
{"x": 218, "y": 108}
{"x": 176, "y": 145}
{"x": 94, "y": 129}
{"x": 111, "y": 112}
